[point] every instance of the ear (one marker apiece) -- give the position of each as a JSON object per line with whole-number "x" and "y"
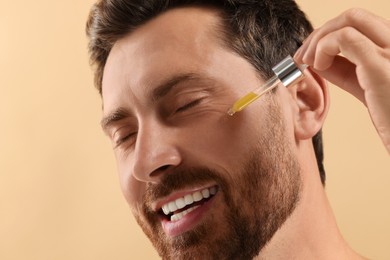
{"x": 311, "y": 104}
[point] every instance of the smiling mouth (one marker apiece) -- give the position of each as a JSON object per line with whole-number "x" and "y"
{"x": 177, "y": 209}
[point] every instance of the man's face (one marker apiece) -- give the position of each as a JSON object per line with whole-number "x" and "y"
{"x": 199, "y": 182}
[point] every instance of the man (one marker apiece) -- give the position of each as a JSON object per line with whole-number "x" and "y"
{"x": 202, "y": 184}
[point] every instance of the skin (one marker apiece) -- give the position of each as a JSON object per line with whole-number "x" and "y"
{"x": 362, "y": 38}
{"x": 181, "y": 41}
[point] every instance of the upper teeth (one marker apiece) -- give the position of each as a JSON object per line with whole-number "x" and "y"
{"x": 188, "y": 200}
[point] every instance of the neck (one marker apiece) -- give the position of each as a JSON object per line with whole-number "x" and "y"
{"x": 311, "y": 231}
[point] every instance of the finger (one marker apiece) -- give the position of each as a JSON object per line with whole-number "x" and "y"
{"x": 374, "y": 27}
{"x": 342, "y": 73}
{"x": 354, "y": 45}
{"x": 303, "y": 49}
{"x": 371, "y": 62}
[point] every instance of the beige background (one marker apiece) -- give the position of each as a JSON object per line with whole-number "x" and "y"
{"x": 59, "y": 194}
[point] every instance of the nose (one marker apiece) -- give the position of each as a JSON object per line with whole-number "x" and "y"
{"x": 155, "y": 153}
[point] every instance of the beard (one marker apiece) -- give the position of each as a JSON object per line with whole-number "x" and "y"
{"x": 256, "y": 201}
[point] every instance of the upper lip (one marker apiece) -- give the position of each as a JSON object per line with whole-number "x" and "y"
{"x": 157, "y": 206}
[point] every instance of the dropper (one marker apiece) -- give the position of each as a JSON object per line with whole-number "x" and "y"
{"x": 286, "y": 72}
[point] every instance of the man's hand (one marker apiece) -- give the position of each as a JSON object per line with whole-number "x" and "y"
{"x": 363, "y": 40}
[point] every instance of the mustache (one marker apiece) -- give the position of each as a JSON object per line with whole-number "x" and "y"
{"x": 180, "y": 178}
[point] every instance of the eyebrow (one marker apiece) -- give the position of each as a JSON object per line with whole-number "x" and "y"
{"x": 114, "y": 116}
{"x": 159, "y": 92}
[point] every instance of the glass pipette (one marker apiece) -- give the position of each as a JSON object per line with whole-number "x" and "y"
{"x": 286, "y": 72}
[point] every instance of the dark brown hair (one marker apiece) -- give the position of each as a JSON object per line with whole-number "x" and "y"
{"x": 261, "y": 31}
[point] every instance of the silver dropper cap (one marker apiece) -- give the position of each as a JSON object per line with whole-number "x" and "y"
{"x": 288, "y": 71}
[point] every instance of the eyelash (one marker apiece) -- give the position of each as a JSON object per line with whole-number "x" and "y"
{"x": 188, "y": 106}
{"x": 123, "y": 140}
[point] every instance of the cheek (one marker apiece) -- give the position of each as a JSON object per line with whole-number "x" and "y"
{"x": 288, "y": 109}
{"x": 225, "y": 141}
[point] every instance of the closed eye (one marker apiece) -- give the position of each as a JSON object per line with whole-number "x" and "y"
{"x": 122, "y": 140}
{"x": 189, "y": 105}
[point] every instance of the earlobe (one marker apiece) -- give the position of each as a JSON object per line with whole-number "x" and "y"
{"x": 311, "y": 98}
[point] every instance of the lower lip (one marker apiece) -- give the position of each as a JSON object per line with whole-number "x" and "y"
{"x": 189, "y": 221}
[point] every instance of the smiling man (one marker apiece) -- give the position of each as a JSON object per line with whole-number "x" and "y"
{"x": 203, "y": 184}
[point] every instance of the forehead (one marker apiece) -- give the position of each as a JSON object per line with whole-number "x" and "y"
{"x": 177, "y": 41}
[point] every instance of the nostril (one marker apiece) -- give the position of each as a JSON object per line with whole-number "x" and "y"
{"x": 163, "y": 168}
{"x": 159, "y": 170}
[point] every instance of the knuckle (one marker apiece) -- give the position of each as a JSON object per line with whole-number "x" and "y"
{"x": 321, "y": 46}
{"x": 316, "y": 35}
{"x": 348, "y": 35}
{"x": 354, "y": 14}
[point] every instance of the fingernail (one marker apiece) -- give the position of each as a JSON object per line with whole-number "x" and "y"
{"x": 298, "y": 53}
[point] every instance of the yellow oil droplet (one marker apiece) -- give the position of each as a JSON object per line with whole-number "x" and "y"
{"x": 243, "y": 102}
